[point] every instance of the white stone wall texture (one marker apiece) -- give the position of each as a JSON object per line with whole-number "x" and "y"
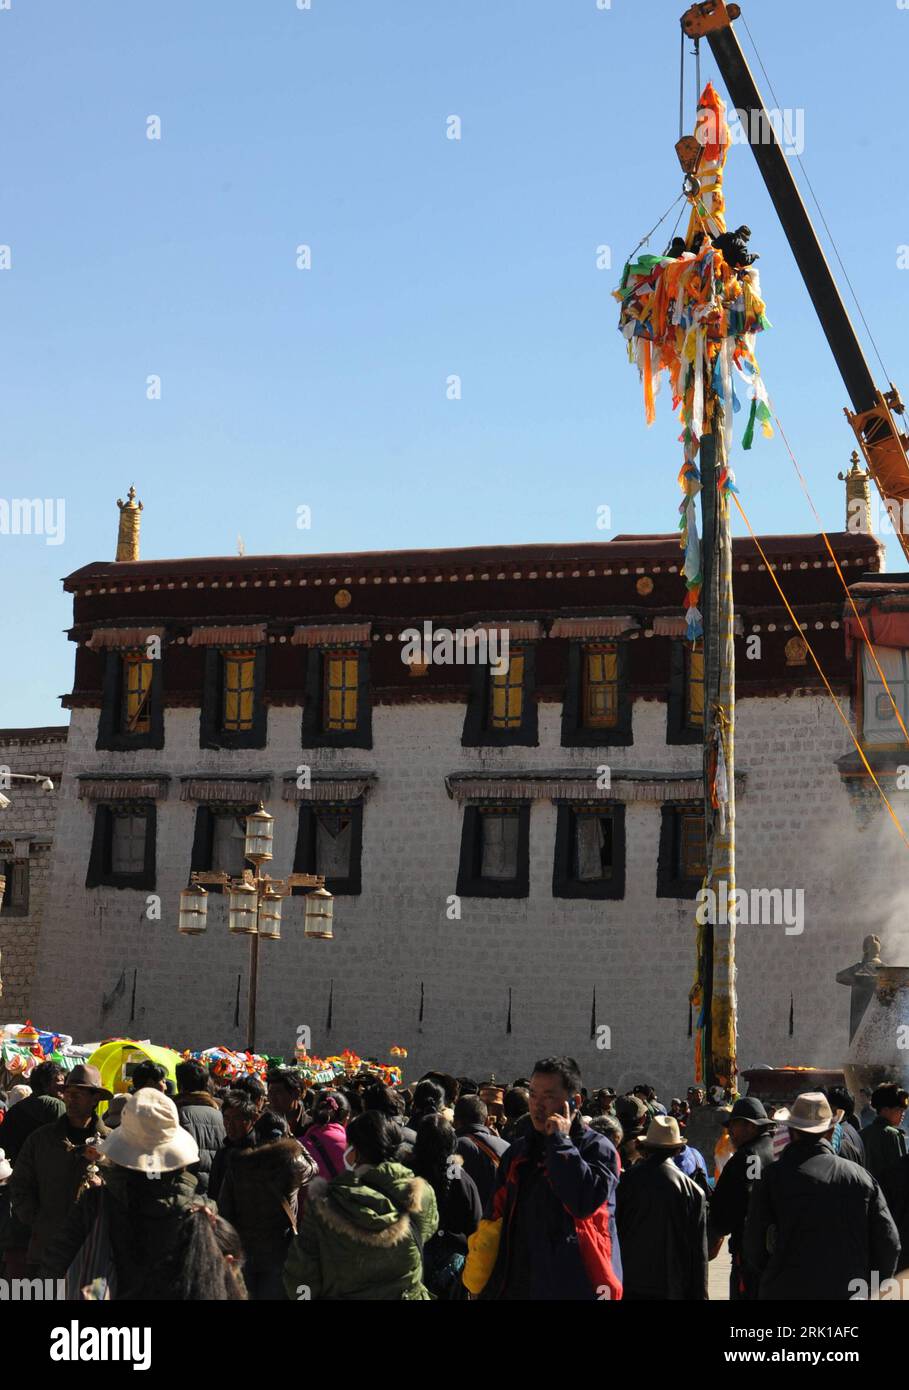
{"x": 31, "y": 815}
{"x": 106, "y": 969}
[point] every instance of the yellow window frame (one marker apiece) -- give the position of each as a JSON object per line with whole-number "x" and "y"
{"x": 506, "y": 694}
{"x": 692, "y": 844}
{"x": 239, "y": 690}
{"x": 600, "y": 686}
{"x": 137, "y": 680}
{"x": 694, "y": 685}
{"x": 341, "y": 700}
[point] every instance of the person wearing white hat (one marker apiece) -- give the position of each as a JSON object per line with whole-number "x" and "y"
{"x": 158, "y": 1229}
{"x": 661, "y": 1216}
{"x": 817, "y": 1224}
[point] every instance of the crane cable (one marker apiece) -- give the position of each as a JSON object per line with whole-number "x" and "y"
{"x": 835, "y": 701}
{"x": 644, "y": 239}
{"x": 842, "y": 577}
{"x": 869, "y": 644}
{"x": 820, "y": 209}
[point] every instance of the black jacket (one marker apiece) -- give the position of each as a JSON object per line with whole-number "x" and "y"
{"x": 258, "y": 1182}
{"x": 895, "y": 1187}
{"x": 222, "y": 1159}
{"x": 729, "y": 1207}
{"x": 145, "y": 1229}
{"x": 661, "y": 1216}
{"x": 729, "y": 1203}
{"x": 851, "y": 1145}
{"x": 25, "y": 1117}
{"x": 816, "y": 1225}
{"x": 200, "y": 1114}
{"x": 459, "y": 1207}
{"x": 481, "y": 1151}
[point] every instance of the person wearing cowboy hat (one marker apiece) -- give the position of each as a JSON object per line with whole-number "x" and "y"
{"x": 749, "y": 1129}
{"x": 631, "y": 1113}
{"x": 55, "y": 1164}
{"x": 661, "y": 1217}
{"x": 817, "y": 1225}
{"x": 160, "y": 1232}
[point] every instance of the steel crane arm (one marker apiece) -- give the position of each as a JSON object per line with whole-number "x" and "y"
{"x": 881, "y": 441}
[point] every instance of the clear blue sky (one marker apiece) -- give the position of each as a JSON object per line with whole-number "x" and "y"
{"x": 430, "y": 257}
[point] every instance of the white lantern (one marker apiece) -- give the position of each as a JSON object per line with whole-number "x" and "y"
{"x": 242, "y": 911}
{"x": 193, "y": 918}
{"x": 270, "y": 914}
{"x": 260, "y": 831}
{"x": 318, "y": 914}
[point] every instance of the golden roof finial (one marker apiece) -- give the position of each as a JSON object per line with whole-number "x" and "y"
{"x": 858, "y": 496}
{"x": 128, "y": 533}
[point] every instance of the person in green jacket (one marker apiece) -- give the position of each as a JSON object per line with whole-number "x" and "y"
{"x": 363, "y": 1233}
{"x": 884, "y": 1139}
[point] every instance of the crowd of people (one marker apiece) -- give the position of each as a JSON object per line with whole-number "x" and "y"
{"x": 276, "y": 1190}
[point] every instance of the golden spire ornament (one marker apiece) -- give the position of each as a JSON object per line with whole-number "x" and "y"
{"x": 128, "y": 533}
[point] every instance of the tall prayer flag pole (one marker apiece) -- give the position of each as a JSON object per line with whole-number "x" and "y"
{"x": 694, "y": 312}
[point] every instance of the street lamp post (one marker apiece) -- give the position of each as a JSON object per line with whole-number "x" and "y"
{"x": 255, "y": 904}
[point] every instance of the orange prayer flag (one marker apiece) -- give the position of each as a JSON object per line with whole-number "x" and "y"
{"x": 649, "y": 407}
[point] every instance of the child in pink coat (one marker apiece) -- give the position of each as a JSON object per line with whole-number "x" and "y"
{"x": 326, "y": 1138}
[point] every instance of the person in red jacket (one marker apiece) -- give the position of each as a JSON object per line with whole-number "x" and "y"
{"x": 555, "y": 1197}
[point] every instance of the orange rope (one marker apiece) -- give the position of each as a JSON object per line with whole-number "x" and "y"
{"x": 842, "y": 578}
{"x": 836, "y": 703}
{"x": 836, "y": 563}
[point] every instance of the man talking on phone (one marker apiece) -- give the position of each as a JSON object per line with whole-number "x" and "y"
{"x": 554, "y": 1200}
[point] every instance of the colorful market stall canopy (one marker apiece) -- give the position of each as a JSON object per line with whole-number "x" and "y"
{"x": 23, "y": 1046}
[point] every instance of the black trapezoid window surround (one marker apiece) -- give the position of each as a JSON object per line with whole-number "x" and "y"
{"x": 132, "y": 705}
{"x": 495, "y": 851}
{"x": 589, "y": 859}
{"x": 685, "y": 707}
{"x": 597, "y": 709}
{"x": 682, "y": 855}
{"x": 501, "y": 707}
{"x": 234, "y": 714}
{"x": 337, "y": 706}
{"x": 123, "y": 846}
{"x": 219, "y": 840}
{"x": 330, "y": 842}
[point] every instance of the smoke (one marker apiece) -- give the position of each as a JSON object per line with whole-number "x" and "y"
{"x": 873, "y": 869}
{"x": 864, "y": 862}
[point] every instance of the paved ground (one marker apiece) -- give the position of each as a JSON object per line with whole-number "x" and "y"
{"x": 718, "y": 1282}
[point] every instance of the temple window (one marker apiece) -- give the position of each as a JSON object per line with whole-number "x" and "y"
{"x": 879, "y": 722}
{"x": 495, "y": 844}
{"x": 589, "y": 852}
{"x": 681, "y": 865}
